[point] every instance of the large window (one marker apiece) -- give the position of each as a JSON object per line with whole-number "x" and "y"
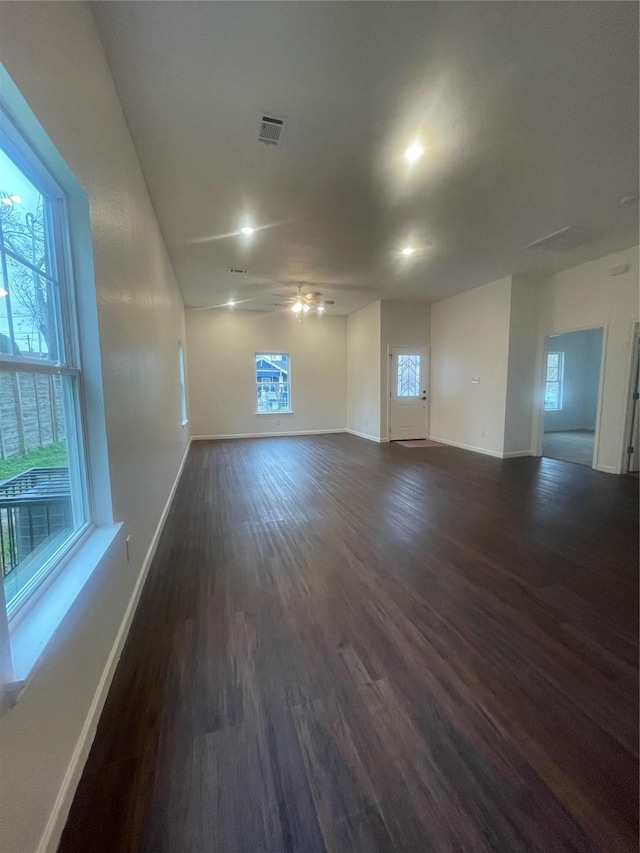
{"x": 273, "y": 383}
{"x": 43, "y": 494}
{"x": 554, "y": 381}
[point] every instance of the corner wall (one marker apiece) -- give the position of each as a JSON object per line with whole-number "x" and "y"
{"x": 470, "y": 340}
{"x": 521, "y": 372}
{"x": 54, "y": 56}
{"x": 363, "y": 372}
{"x": 497, "y": 333}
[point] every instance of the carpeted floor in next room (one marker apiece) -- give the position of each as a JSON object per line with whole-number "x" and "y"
{"x": 570, "y": 446}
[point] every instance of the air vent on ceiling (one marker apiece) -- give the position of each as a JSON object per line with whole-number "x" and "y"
{"x": 271, "y": 128}
{"x": 564, "y": 240}
{"x": 242, "y": 272}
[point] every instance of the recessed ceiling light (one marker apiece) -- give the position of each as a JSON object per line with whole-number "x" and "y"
{"x": 296, "y": 307}
{"x": 408, "y": 251}
{"x": 15, "y": 199}
{"x": 6, "y": 200}
{"x": 414, "y": 152}
{"x": 320, "y": 308}
{"x": 231, "y": 303}
{"x": 247, "y": 230}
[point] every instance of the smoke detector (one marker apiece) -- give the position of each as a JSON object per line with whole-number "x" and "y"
{"x": 564, "y": 240}
{"x": 271, "y": 129}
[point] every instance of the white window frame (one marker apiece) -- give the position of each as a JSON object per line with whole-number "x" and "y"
{"x": 57, "y": 225}
{"x": 24, "y": 637}
{"x": 256, "y": 384}
{"x": 559, "y": 382}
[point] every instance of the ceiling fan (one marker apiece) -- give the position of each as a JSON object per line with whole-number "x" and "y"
{"x": 302, "y": 303}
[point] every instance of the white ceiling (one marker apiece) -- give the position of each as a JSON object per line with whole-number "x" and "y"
{"x": 528, "y": 113}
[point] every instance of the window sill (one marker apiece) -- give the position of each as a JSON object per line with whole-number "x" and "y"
{"x": 275, "y": 414}
{"x": 31, "y": 633}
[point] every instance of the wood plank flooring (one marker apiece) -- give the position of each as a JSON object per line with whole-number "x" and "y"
{"x": 344, "y": 646}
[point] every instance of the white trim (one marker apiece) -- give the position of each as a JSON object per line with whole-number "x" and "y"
{"x": 606, "y": 469}
{"x": 53, "y": 830}
{"x": 367, "y": 436}
{"x": 495, "y": 453}
{"x": 626, "y": 438}
{"x": 267, "y": 434}
{"x": 513, "y": 454}
{"x": 35, "y": 625}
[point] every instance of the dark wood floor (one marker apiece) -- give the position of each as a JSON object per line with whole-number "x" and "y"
{"x": 344, "y": 646}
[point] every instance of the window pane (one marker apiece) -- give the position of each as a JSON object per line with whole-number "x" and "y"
{"x": 408, "y": 376}
{"x": 552, "y": 359}
{"x": 552, "y": 395}
{"x": 552, "y": 374}
{"x": 22, "y": 215}
{"x": 29, "y": 311}
{"x": 272, "y": 382}
{"x": 41, "y": 497}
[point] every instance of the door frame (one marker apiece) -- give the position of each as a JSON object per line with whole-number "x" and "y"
{"x": 541, "y": 380}
{"x": 427, "y": 377}
{"x": 628, "y": 415}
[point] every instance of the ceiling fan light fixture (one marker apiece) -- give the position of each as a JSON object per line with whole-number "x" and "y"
{"x": 296, "y": 307}
{"x": 306, "y": 308}
{"x": 320, "y": 308}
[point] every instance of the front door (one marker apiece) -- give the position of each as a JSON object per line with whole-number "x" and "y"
{"x": 408, "y": 374}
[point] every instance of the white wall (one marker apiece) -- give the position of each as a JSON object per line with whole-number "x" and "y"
{"x": 222, "y": 344}
{"x": 363, "y": 371}
{"x": 402, "y": 324}
{"x": 490, "y": 332}
{"x": 521, "y": 371}
{"x": 580, "y": 383}
{"x": 53, "y": 54}
{"x": 470, "y": 339}
{"x": 588, "y": 296}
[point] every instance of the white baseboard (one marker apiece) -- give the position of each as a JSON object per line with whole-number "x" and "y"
{"x": 495, "y": 453}
{"x": 53, "y": 830}
{"x": 367, "y": 436}
{"x": 513, "y": 454}
{"x": 266, "y": 434}
{"x": 607, "y": 469}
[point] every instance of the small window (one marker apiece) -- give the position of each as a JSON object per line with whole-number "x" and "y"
{"x": 273, "y": 383}
{"x": 43, "y": 491}
{"x": 554, "y": 381}
{"x": 408, "y": 376}
{"x": 183, "y": 389}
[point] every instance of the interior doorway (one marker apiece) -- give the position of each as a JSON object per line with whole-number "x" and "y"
{"x": 572, "y": 384}
{"x": 408, "y": 374}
